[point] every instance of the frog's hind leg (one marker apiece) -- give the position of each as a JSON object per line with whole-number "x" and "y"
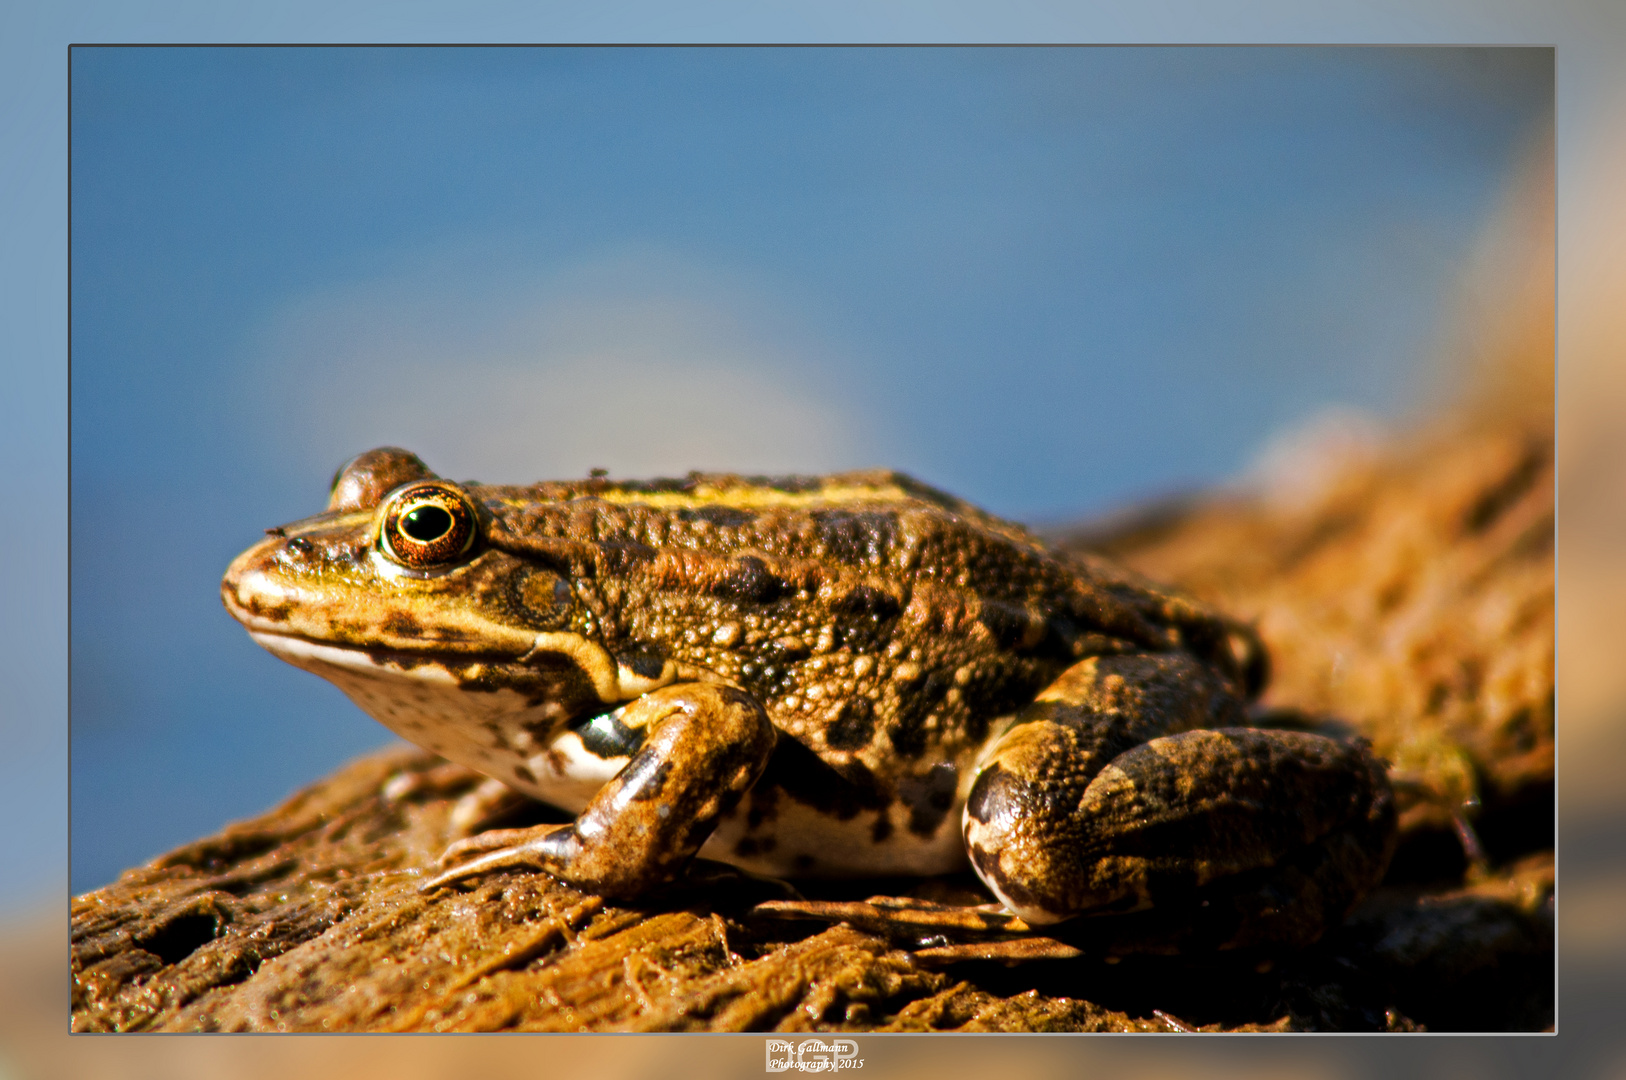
{"x": 703, "y": 747}
{"x": 1111, "y": 794}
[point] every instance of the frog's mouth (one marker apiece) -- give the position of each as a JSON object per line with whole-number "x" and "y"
{"x": 462, "y": 669}
{"x": 350, "y": 633}
{"x": 312, "y": 655}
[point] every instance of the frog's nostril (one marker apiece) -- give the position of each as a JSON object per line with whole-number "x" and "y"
{"x": 299, "y": 545}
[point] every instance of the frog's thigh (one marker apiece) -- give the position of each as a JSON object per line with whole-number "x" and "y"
{"x": 1074, "y": 811}
{"x": 704, "y": 746}
{"x": 1019, "y": 818}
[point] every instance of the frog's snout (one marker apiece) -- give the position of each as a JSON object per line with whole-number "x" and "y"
{"x": 252, "y": 591}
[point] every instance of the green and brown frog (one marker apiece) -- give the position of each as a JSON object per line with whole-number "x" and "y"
{"x": 853, "y": 674}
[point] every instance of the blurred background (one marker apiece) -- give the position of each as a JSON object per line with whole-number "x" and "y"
{"x": 1049, "y": 280}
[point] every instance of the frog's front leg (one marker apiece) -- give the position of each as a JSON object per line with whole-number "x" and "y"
{"x": 1126, "y": 788}
{"x": 703, "y": 747}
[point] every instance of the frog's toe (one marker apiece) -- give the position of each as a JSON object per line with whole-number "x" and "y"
{"x": 492, "y": 840}
{"x": 542, "y": 848}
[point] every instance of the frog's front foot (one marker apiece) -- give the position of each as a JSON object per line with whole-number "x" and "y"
{"x": 702, "y": 747}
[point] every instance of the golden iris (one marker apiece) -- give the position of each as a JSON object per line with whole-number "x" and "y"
{"x": 428, "y": 524}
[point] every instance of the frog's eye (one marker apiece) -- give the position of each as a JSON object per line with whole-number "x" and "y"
{"x": 428, "y": 524}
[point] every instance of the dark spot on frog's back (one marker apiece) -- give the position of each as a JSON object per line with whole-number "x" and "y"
{"x": 868, "y": 600}
{"x": 623, "y": 556}
{"x": 853, "y": 727}
{"x": 749, "y": 579}
{"x": 856, "y": 537}
{"x": 1011, "y": 625}
{"x": 908, "y": 728}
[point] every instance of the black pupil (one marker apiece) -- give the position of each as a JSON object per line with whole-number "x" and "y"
{"x": 426, "y": 523}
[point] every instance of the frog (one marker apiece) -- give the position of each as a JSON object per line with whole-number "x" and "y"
{"x": 847, "y": 675}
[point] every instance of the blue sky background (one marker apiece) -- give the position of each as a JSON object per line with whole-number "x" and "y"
{"x": 1050, "y": 280}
